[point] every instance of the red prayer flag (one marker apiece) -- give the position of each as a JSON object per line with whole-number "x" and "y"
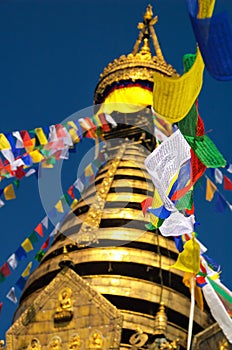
{"x": 39, "y": 230}
{"x": 1, "y": 306}
{"x": 20, "y": 173}
{"x": 227, "y": 183}
{"x": 45, "y": 245}
{"x": 5, "y": 269}
{"x": 146, "y": 204}
{"x": 105, "y": 126}
{"x": 70, "y": 192}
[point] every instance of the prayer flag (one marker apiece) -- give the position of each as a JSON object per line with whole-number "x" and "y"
{"x": 12, "y": 296}
{"x": 39, "y": 255}
{"x": 20, "y": 253}
{"x": 45, "y": 244}
{"x": 5, "y": 270}
{"x": 41, "y": 136}
{"x": 27, "y": 270}
{"x": 174, "y": 96}
{"x": 70, "y": 192}
{"x": 1, "y": 307}
{"x": 36, "y": 156}
{"x": 218, "y": 176}
{"x": 12, "y": 261}
{"x": 160, "y": 212}
{"x": 218, "y": 310}
{"x": 189, "y": 259}
{"x": 146, "y": 204}
{"x": 39, "y": 229}
{"x": 45, "y": 222}
{"x": 220, "y": 203}
{"x": 27, "y": 246}
{"x": 210, "y": 190}
{"x": 177, "y": 224}
{"x": 205, "y": 8}
{"x": 79, "y": 185}
{"x": 89, "y": 170}
{"x": 227, "y": 183}
{"x": 9, "y": 192}
{"x": 33, "y": 237}
{"x": 59, "y": 206}
{"x": 74, "y": 203}
{"x": 20, "y": 283}
{"x": 214, "y": 37}
{"x": 4, "y": 143}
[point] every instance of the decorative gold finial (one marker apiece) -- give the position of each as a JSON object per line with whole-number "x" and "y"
{"x": 161, "y": 321}
{"x": 146, "y": 32}
{"x": 1, "y": 344}
{"x": 65, "y": 258}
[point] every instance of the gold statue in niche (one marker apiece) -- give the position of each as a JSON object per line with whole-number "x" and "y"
{"x": 96, "y": 341}
{"x": 64, "y": 311}
{"x": 34, "y": 344}
{"x": 75, "y": 342}
{"x": 55, "y": 343}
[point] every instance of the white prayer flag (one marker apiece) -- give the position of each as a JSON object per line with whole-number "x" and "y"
{"x": 177, "y": 224}
{"x": 164, "y": 163}
{"x": 44, "y": 222}
{"x": 218, "y": 310}
{"x": 12, "y": 296}
{"x": 218, "y": 176}
{"x": 79, "y": 185}
{"x": 12, "y": 261}
{"x": 110, "y": 120}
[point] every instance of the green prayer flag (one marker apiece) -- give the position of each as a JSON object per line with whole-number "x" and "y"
{"x": 16, "y": 183}
{"x": 33, "y": 237}
{"x": 206, "y": 151}
{"x": 185, "y": 202}
{"x": 2, "y": 278}
{"x": 39, "y": 255}
{"x": 188, "y": 125}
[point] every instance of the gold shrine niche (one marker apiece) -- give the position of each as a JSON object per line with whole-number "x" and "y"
{"x": 67, "y": 314}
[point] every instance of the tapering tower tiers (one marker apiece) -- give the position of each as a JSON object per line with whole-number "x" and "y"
{"x": 118, "y": 263}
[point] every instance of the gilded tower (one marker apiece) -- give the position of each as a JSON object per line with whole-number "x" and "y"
{"x": 106, "y": 283}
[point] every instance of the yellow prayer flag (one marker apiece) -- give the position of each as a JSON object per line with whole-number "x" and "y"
{"x": 4, "y": 143}
{"x": 36, "y": 156}
{"x": 174, "y": 96}
{"x": 9, "y": 192}
{"x": 210, "y": 190}
{"x": 41, "y": 136}
{"x": 205, "y": 8}
{"x": 27, "y": 270}
{"x": 74, "y": 136}
{"x": 126, "y": 100}
{"x": 74, "y": 203}
{"x": 89, "y": 170}
{"x": 189, "y": 259}
{"x": 27, "y": 246}
{"x": 59, "y": 207}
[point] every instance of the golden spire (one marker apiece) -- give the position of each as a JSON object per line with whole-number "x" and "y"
{"x": 146, "y": 32}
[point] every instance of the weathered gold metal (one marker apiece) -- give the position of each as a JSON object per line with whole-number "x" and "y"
{"x": 223, "y": 345}
{"x": 74, "y": 342}
{"x": 89, "y": 309}
{"x": 88, "y": 231}
{"x": 138, "y": 339}
{"x": 34, "y": 344}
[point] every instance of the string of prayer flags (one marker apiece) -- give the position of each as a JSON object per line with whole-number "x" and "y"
{"x": 214, "y": 37}
{"x": 174, "y": 96}
{"x": 27, "y": 270}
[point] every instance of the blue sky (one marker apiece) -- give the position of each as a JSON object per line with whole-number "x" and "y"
{"x": 52, "y": 52}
